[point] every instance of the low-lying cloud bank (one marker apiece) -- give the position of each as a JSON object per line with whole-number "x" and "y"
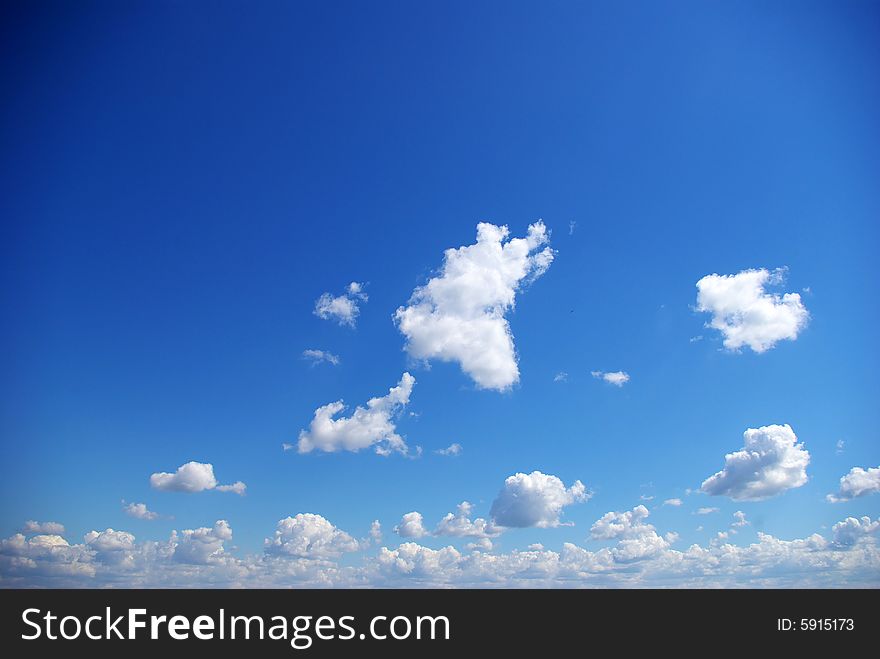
{"x": 307, "y": 550}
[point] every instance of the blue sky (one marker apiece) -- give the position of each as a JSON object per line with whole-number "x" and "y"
{"x": 181, "y": 182}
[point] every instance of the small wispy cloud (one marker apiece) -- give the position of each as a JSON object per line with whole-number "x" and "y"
{"x": 451, "y": 450}
{"x": 562, "y": 376}
{"x": 617, "y": 378}
{"x": 672, "y": 502}
{"x": 316, "y": 357}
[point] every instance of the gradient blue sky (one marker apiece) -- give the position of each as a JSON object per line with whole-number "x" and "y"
{"x": 181, "y": 181}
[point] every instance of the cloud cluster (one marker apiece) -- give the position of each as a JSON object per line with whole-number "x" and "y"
{"x": 193, "y": 477}
{"x": 746, "y": 314}
{"x": 373, "y": 425}
{"x": 617, "y": 378}
{"x": 534, "y": 499}
{"x": 459, "y": 315}
{"x": 857, "y": 483}
{"x": 770, "y": 462}
{"x": 451, "y": 450}
{"x": 304, "y": 549}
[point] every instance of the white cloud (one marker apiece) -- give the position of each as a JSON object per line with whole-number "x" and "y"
{"x": 857, "y": 483}
{"x": 534, "y": 499}
{"x": 376, "y": 531}
{"x": 367, "y": 426}
{"x": 483, "y": 544}
{"x": 839, "y": 446}
{"x": 341, "y": 308}
{"x": 411, "y": 526}
{"x": 562, "y": 376}
{"x": 706, "y": 511}
{"x": 451, "y": 450}
{"x": 320, "y": 356}
{"x": 746, "y": 314}
{"x": 740, "y": 520}
{"x": 672, "y": 502}
{"x": 309, "y": 536}
{"x": 848, "y": 532}
{"x": 459, "y": 524}
{"x": 646, "y": 497}
{"x": 192, "y": 477}
{"x": 50, "y": 528}
{"x": 636, "y": 539}
{"x": 203, "y": 545}
{"x": 237, "y": 487}
{"x": 139, "y": 511}
{"x": 304, "y": 554}
{"x": 459, "y": 315}
{"x": 617, "y": 378}
{"x": 770, "y": 463}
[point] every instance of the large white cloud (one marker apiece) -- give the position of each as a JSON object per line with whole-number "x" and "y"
{"x": 459, "y": 315}
{"x": 309, "y": 536}
{"x": 411, "y": 526}
{"x": 848, "y": 532}
{"x": 193, "y": 477}
{"x": 534, "y": 499}
{"x": 746, "y": 314}
{"x": 857, "y": 483}
{"x": 343, "y": 308}
{"x": 770, "y": 462}
{"x": 373, "y": 425}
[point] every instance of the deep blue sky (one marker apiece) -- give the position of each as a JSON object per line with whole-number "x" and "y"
{"x": 180, "y": 181}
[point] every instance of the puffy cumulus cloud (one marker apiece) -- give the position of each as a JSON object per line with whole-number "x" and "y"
{"x": 192, "y": 477}
{"x": 309, "y": 536}
{"x": 373, "y": 425}
{"x": 451, "y": 450}
{"x": 746, "y": 314}
{"x": 617, "y": 378}
{"x": 848, "y": 532}
{"x": 320, "y": 356}
{"x": 411, "y": 526}
{"x": 203, "y": 545}
{"x": 304, "y": 555}
{"x": 376, "y": 531}
{"x": 139, "y": 511}
{"x": 112, "y": 547}
{"x": 459, "y": 524}
{"x": 534, "y": 499}
{"x": 770, "y": 462}
{"x": 52, "y": 528}
{"x": 459, "y": 315}
{"x": 857, "y": 483}
{"x": 343, "y": 308}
